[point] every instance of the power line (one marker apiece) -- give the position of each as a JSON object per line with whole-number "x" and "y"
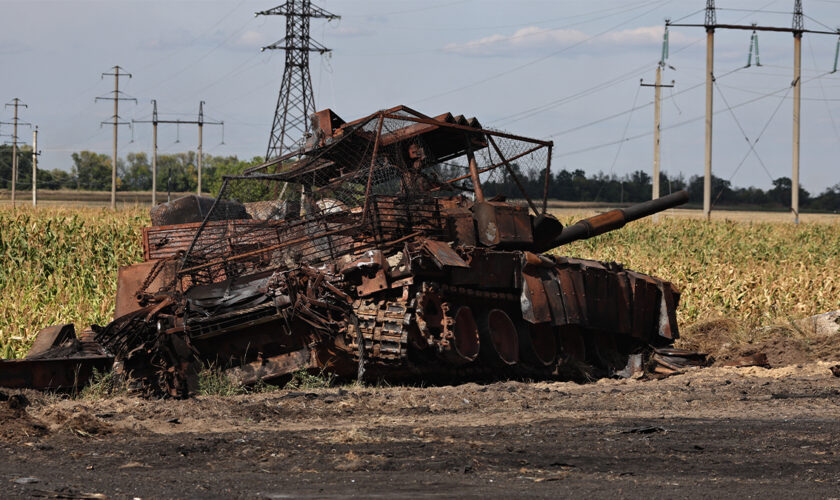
{"x": 743, "y": 132}
{"x": 747, "y": 154}
{"x": 676, "y": 125}
{"x": 634, "y": 108}
{"x": 619, "y": 79}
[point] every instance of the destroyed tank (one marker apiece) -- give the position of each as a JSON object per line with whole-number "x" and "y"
{"x": 384, "y": 248}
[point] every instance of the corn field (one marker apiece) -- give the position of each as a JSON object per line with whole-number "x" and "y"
{"x": 60, "y": 266}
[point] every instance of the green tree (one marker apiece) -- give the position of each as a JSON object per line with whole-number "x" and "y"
{"x": 92, "y": 170}
{"x": 136, "y": 174}
{"x": 24, "y": 155}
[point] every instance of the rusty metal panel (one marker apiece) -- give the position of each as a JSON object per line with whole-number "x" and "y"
{"x": 572, "y": 299}
{"x": 130, "y": 280}
{"x": 443, "y": 254}
{"x": 372, "y": 284}
{"x": 667, "y": 313}
{"x": 625, "y": 303}
{"x": 489, "y": 269}
{"x": 534, "y": 302}
{"x": 502, "y": 224}
{"x": 645, "y": 305}
{"x": 51, "y": 336}
{"x": 555, "y": 300}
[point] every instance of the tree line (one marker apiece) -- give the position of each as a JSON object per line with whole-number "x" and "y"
{"x": 91, "y": 171}
{"x": 576, "y": 185}
{"x": 178, "y": 173}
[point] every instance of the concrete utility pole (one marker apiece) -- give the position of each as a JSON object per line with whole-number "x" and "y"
{"x": 657, "y": 115}
{"x": 798, "y": 28}
{"x": 35, "y": 167}
{"x": 200, "y": 122}
{"x": 154, "y": 152}
{"x": 200, "y": 149}
{"x": 657, "y": 124}
{"x": 16, "y": 103}
{"x": 657, "y": 128}
{"x": 798, "y": 25}
{"x": 710, "y": 23}
{"x": 115, "y": 120}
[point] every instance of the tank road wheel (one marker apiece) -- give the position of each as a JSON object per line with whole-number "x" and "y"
{"x": 537, "y": 344}
{"x": 460, "y": 342}
{"x": 499, "y": 339}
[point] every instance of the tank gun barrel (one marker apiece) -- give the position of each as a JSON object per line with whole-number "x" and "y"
{"x": 615, "y": 219}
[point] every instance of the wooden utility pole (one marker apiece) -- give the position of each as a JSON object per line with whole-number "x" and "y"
{"x": 16, "y": 103}
{"x": 200, "y": 122}
{"x": 35, "y": 167}
{"x": 115, "y": 120}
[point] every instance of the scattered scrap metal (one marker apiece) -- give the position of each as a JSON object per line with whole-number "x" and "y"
{"x": 373, "y": 252}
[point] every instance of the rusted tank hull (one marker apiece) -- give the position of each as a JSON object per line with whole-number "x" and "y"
{"x": 443, "y": 314}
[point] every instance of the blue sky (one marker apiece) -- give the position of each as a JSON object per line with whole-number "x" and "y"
{"x": 547, "y": 69}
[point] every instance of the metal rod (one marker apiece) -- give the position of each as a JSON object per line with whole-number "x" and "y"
{"x": 203, "y": 224}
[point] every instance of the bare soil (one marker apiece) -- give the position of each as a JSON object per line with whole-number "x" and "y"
{"x": 710, "y": 432}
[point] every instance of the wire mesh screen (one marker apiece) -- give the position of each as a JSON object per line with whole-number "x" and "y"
{"x": 366, "y": 184}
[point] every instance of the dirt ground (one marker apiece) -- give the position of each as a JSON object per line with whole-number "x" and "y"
{"x": 712, "y": 432}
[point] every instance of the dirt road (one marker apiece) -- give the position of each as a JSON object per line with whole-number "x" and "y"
{"x": 747, "y": 432}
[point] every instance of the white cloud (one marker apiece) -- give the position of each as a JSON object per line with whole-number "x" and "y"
{"x": 533, "y": 38}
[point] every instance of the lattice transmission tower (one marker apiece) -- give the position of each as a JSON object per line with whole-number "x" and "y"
{"x": 296, "y": 101}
